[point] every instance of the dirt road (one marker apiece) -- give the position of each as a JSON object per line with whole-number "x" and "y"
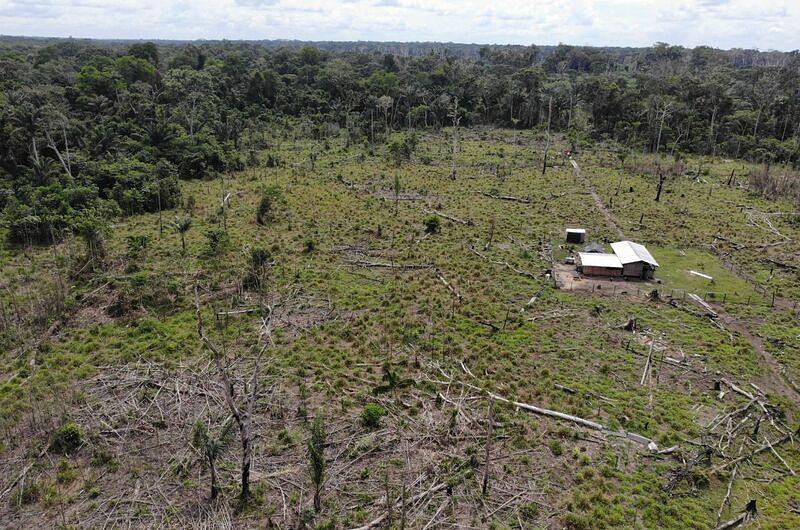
{"x": 601, "y": 206}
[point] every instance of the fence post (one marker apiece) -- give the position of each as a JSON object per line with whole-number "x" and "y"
{"x": 724, "y": 297}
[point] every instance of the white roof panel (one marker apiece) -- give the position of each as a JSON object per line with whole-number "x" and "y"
{"x": 630, "y": 252}
{"x": 576, "y": 230}
{"x": 596, "y": 259}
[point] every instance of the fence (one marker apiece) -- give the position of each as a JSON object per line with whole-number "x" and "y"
{"x": 719, "y": 297}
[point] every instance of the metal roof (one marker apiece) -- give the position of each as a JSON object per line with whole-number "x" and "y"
{"x": 630, "y": 252}
{"x": 594, "y": 247}
{"x": 595, "y": 259}
{"x": 576, "y": 230}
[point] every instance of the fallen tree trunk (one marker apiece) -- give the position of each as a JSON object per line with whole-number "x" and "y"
{"x": 379, "y": 265}
{"x": 505, "y": 197}
{"x": 766, "y": 447}
{"x": 448, "y": 285}
{"x": 505, "y": 264}
{"x": 702, "y": 303}
{"x": 748, "y": 513}
{"x": 551, "y": 413}
{"x": 589, "y": 424}
{"x": 467, "y": 222}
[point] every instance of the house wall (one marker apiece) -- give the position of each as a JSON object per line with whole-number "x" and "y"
{"x": 634, "y": 270}
{"x": 601, "y": 271}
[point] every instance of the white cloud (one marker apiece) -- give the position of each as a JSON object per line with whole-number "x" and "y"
{"x": 765, "y": 24}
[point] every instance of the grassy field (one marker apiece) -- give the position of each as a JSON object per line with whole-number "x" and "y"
{"x": 382, "y": 311}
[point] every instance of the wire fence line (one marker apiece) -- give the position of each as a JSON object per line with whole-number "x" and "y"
{"x": 720, "y": 297}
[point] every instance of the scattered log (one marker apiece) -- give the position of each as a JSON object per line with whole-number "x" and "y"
{"x": 766, "y": 447}
{"x": 505, "y": 264}
{"x": 702, "y": 303}
{"x": 22, "y": 474}
{"x": 557, "y": 415}
{"x": 551, "y": 413}
{"x": 648, "y": 364}
{"x": 415, "y": 498}
{"x": 506, "y": 197}
{"x": 749, "y": 513}
{"x": 779, "y": 457}
{"x": 467, "y": 222}
{"x": 448, "y": 285}
{"x": 380, "y": 265}
{"x": 727, "y": 497}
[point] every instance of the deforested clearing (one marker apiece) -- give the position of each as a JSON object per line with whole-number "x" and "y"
{"x": 242, "y": 314}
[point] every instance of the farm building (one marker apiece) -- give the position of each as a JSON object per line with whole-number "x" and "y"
{"x": 599, "y": 264}
{"x": 629, "y": 260}
{"x": 576, "y": 235}
{"x": 637, "y": 262}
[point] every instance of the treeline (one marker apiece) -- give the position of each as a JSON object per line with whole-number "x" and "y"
{"x": 89, "y": 130}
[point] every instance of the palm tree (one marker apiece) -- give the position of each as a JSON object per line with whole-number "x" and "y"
{"x": 182, "y": 225}
{"x": 212, "y": 448}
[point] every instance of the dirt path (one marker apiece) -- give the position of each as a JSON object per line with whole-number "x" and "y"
{"x": 780, "y": 385}
{"x": 612, "y": 225}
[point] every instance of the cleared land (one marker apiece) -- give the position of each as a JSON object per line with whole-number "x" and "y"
{"x": 424, "y": 328}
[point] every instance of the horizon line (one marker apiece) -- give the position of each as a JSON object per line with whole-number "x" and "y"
{"x": 367, "y": 41}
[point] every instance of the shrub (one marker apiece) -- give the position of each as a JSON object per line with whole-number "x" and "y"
{"x": 260, "y": 260}
{"x": 271, "y": 198}
{"x": 29, "y": 494}
{"x": 67, "y": 438}
{"x": 432, "y": 224}
{"x": 217, "y": 238}
{"x": 137, "y": 245}
{"x": 371, "y": 415}
{"x": 66, "y": 473}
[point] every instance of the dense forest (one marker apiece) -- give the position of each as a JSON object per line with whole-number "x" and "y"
{"x": 90, "y": 130}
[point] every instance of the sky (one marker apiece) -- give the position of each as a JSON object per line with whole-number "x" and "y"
{"x": 762, "y": 24}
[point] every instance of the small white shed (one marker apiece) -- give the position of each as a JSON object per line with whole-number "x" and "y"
{"x": 576, "y": 235}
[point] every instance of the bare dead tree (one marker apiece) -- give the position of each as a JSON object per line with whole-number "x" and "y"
{"x": 547, "y": 145}
{"x": 491, "y": 234}
{"x": 664, "y": 110}
{"x": 488, "y": 456}
{"x": 454, "y": 115}
{"x": 661, "y": 179}
{"x": 242, "y": 413}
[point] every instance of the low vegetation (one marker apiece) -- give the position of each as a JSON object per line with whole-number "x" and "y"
{"x": 332, "y": 327}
